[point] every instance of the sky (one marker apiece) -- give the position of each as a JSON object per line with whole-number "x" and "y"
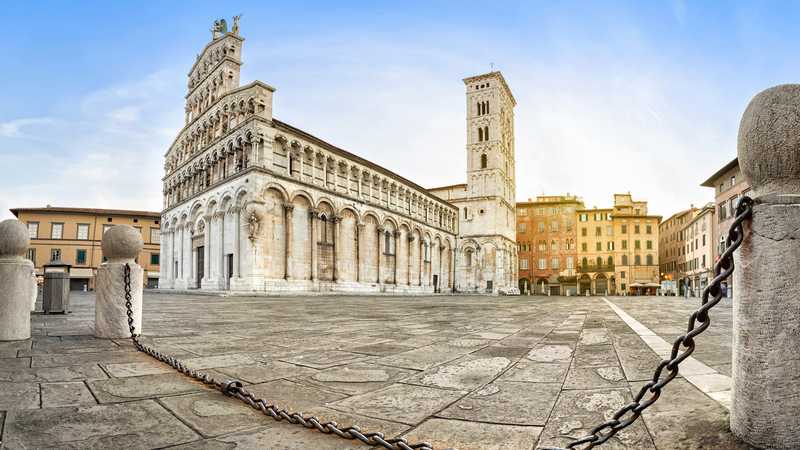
{"x": 640, "y": 97}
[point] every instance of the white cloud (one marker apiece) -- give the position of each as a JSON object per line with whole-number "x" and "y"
{"x": 13, "y": 128}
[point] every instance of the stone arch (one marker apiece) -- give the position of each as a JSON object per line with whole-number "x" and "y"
{"x": 303, "y": 194}
{"x": 275, "y": 186}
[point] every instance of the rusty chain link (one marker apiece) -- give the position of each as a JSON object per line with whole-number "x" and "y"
{"x": 234, "y": 388}
{"x": 698, "y": 322}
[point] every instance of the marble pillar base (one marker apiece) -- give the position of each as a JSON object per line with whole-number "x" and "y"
{"x": 15, "y": 298}
{"x": 111, "y": 317}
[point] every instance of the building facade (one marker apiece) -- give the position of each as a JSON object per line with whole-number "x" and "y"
{"x": 254, "y": 204}
{"x": 74, "y": 235}
{"x": 618, "y": 249}
{"x": 729, "y": 185}
{"x": 547, "y": 245}
{"x": 699, "y": 250}
{"x": 672, "y": 251}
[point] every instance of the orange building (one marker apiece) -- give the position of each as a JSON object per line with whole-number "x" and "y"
{"x": 547, "y": 244}
{"x": 74, "y": 235}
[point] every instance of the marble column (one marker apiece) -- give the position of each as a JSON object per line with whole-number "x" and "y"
{"x": 288, "y": 210}
{"x": 223, "y": 277}
{"x": 359, "y": 233}
{"x": 336, "y": 228}
{"x": 237, "y": 212}
{"x": 206, "y": 248}
{"x": 396, "y": 236}
{"x": 378, "y": 249}
{"x": 410, "y": 240}
{"x": 313, "y": 260}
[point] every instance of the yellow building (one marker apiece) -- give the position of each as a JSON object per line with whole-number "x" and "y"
{"x": 74, "y": 235}
{"x": 618, "y": 249}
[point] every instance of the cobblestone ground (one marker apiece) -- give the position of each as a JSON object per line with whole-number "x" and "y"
{"x": 461, "y": 372}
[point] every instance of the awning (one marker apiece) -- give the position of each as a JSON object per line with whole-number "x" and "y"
{"x": 637, "y": 284}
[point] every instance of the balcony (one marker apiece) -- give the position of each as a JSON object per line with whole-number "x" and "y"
{"x": 595, "y": 268}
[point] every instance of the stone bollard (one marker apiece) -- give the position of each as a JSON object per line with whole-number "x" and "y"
{"x": 15, "y": 282}
{"x": 766, "y": 304}
{"x": 121, "y": 244}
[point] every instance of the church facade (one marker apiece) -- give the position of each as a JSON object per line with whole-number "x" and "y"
{"x": 253, "y": 204}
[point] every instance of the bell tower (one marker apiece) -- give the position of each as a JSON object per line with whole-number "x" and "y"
{"x": 490, "y": 137}
{"x": 215, "y": 72}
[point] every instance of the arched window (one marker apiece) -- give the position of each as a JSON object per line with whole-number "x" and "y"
{"x": 480, "y": 110}
{"x": 480, "y": 134}
{"x": 624, "y": 260}
{"x": 486, "y": 133}
{"x": 585, "y": 262}
{"x": 649, "y": 260}
{"x": 465, "y": 212}
{"x": 486, "y": 108}
{"x": 469, "y": 258}
{"x": 599, "y": 261}
{"x": 637, "y": 260}
{"x": 610, "y": 261}
{"x": 483, "y": 161}
{"x": 387, "y": 242}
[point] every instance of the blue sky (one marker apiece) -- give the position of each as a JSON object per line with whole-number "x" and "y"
{"x": 612, "y": 96}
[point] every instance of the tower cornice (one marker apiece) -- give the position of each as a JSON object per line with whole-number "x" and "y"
{"x": 495, "y": 75}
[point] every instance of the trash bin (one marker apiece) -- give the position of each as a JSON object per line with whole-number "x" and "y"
{"x": 55, "y": 293}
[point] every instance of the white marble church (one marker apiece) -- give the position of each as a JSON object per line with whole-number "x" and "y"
{"x": 256, "y": 205}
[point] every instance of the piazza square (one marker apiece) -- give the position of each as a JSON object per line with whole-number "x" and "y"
{"x": 377, "y": 226}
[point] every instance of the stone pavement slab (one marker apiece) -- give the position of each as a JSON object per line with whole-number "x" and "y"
{"x": 465, "y": 372}
{"x": 135, "y": 425}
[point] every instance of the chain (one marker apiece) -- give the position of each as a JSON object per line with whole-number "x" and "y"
{"x": 234, "y": 388}
{"x": 698, "y": 322}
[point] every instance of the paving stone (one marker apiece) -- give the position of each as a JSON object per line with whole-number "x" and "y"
{"x": 514, "y": 403}
{"x": 595, "y": 356}
{"x": 214, "y": 362}
{"x": 551, "y": 353}
{"x": 534, "y": 372}
{"x": 512, "y": 353}
{"x": 594, "y": 336}
{"x": 19, "y": 396}
{"x": 358, "y": 378}
{"x": 382, "y": 349}
{"x": 402, "y": 403}
{"x": 460, "y": 435}
{"x": 421, "y": 358}
{"x": 594, "y": 377}
{"x": 53, "y": 374}
{"x": 294, "y": 396}
{"x": 125, "y": 389}
{"x": 69, "y": 393}
{"x": 72, "y": 346}
{"x": 11, "y": 349}
{"x": 135, "y": 425}
{"x": 15, "y": 363}
{"x": 325, "y": 359}
{"x": 213, "y": 414}
{"x": 577, "y": 412}
{"x": 136, "y": 369}
{"x": 266, "y": 371}
{"x": 463, "y": 374}
{"x": 366, "y": 424}
{"x": 638, "y": 364}
{"x": 73, "y": 359}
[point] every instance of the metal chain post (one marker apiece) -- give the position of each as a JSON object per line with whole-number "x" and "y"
{"x": 234, "y": 388}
